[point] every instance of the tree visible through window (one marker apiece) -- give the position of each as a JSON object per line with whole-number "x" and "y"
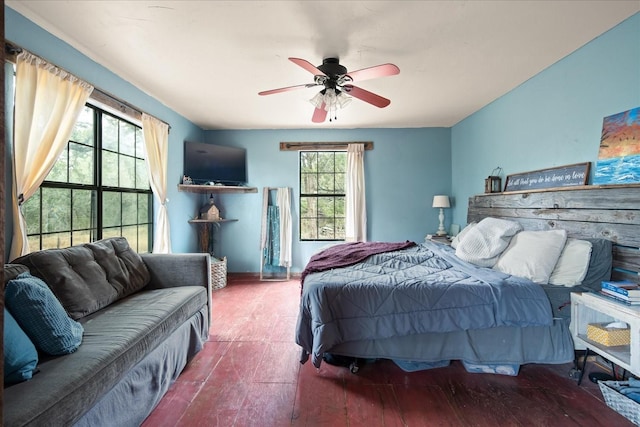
{"x": 98, "y": 188}
{"x": 322, "y": 193}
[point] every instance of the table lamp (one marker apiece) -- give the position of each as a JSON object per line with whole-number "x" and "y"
{"x": 441, "y": 202}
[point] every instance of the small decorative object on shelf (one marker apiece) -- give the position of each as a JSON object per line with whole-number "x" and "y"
{"x": 493, "y": 183}
{"x": 210, "y": 211}
{"x": 186, "y": 180}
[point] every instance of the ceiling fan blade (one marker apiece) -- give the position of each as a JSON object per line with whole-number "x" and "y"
{"x": 307, "y": 66}
{"x": 319, "y": 114}
{"x": 382, "y": 70}
{"x": 284, "y": 89}
{"x": 366, "y": 96}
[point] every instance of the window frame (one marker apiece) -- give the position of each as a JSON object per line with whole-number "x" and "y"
{"x": 318, "y": 196}
{"x": 98, "y": 230}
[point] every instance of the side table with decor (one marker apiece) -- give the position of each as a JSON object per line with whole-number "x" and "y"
{"x": 611, "y": 329}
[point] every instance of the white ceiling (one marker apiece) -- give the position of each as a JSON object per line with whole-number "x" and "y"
{"x": 207, "y": 60}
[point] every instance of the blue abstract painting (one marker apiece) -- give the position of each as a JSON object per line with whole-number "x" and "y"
{"x": 619, "y": 155}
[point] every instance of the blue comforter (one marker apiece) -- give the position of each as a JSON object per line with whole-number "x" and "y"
{"x": 425, "y": 288}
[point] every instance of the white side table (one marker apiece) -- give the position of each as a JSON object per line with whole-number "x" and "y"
{"x": 587, "y": 307}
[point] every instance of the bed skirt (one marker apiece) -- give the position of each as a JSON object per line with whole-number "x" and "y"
{"x": 501, "y": 345}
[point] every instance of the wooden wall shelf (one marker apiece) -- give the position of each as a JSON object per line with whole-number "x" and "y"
{"x": 209, "y": 221}
{"x": 207, "y": 189}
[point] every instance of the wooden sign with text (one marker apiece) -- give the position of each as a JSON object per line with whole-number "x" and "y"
{"x": 561, "y": 176}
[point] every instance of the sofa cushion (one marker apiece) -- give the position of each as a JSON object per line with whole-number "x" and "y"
{"x": 41, "y": 315}
{"x": 89, "y": 277}
{"x": 11, "y": 271}
{"x": 115, "y": 340}
{"x": 20, "y": 355}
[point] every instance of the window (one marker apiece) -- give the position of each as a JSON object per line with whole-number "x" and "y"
{"x": 98, "y": 188}
{"x": 322, "y": 194}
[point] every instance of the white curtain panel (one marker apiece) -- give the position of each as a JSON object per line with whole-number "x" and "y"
{"x": 48, "y": 101}
{"x": 156, "y": 142}
{"x": 283, "y": 198}
{"x": 356, "y": 207}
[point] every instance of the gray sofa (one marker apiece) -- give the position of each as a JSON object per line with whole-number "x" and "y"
{"x": 136, "y": 341}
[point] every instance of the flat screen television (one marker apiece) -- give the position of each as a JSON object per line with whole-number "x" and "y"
{"x": 218, "y": 164}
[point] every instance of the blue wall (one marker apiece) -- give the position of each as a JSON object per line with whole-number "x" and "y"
{"x": 403, "y": 171}
{"x": 553, "y": 119}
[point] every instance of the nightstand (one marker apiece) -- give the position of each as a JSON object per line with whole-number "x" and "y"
{"x": 438, "y": 239}
{"x": 587, "y": 307}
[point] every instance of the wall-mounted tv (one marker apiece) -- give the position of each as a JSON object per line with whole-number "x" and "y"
{"x": 218, "y": 164}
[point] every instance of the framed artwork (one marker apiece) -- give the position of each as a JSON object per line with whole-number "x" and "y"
{"x": 619, "y": 155}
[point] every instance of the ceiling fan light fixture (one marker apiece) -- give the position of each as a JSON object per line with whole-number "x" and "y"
{"x": 331, "y": 98}
{"x": 338, "y": 90}
{"x": 317, "y": 100}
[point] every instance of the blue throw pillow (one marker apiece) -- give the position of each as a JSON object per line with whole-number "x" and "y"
{"x": 20, "y": 355}
{"x": 41, "y": 316}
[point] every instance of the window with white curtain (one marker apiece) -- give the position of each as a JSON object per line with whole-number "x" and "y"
{"x": 322, "y": 195}
{"x": 98, "y": 188}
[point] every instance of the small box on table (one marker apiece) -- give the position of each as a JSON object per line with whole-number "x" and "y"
{"x": 609, "y": 337}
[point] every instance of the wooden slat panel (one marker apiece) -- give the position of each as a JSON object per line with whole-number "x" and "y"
{"x": 609, "y": 212}
{"x": 626, "y": 258}
{"x": 622, "y": 275}
{"x": 587, "y": 197}
{"x": 584, "y": 215}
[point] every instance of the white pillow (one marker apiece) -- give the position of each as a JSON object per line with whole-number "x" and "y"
{"x": 532, "y": 254}
{"x": 573, "y": 264}
{"x": 458, "y": 237}
{"x": 483, "y": 243}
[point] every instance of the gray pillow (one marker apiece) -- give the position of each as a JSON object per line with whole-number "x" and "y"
{"x": 89, "y": 277}
{"x": 599, "y": 264}
{"x": 599, "y": 270}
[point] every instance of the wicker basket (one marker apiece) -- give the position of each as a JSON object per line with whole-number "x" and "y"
{"x": 218, "y": 273}
{"x": 620, "y": 403}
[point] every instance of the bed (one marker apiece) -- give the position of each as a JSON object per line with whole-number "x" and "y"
{"x": 423, "y": 306}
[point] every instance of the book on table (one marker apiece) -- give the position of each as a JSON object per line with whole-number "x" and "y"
{"x": 623, "y": 287}
{"x": 619, "y": 295}
{"x": 618, "y": 298}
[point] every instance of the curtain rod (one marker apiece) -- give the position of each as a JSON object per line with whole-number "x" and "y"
{"x": 313, "y": 146}
{"x": 98, "y": 95}
{"x": 109, "y": 100}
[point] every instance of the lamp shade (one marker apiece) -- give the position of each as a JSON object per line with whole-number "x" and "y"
{"x": 441, "y": 201}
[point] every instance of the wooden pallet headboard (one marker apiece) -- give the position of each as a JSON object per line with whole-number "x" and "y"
{"x": 610, "y": 212}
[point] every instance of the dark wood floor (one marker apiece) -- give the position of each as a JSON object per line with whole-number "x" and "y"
{"x": 248, "y": 374}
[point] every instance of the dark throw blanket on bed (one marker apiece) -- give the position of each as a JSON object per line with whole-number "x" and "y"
{"x": 349, "y": 254}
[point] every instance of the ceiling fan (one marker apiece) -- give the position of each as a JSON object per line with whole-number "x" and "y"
{"x": 337, "y": 82}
